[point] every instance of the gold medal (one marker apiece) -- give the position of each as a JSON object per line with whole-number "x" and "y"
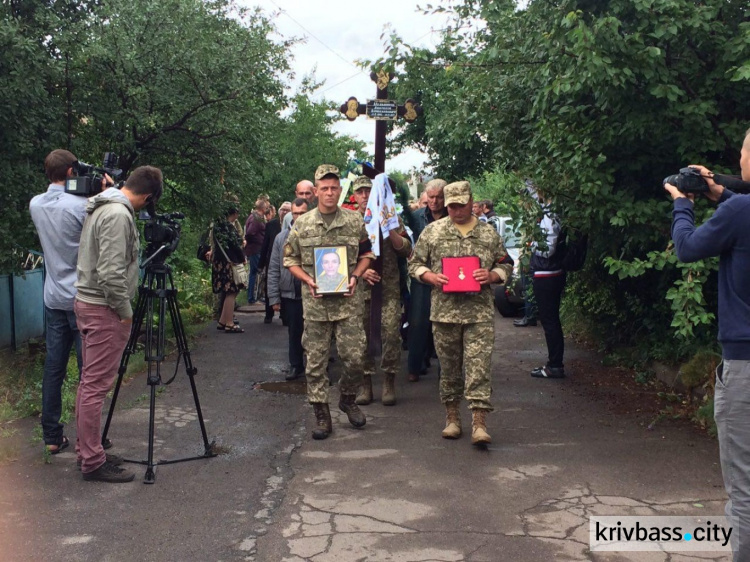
{"x": 461, "y": 275}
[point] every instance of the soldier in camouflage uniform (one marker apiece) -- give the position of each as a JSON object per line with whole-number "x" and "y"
{"x": 329, "y": 225}
{"x": 462, "y": 323}
{"x": 396, "y": 245}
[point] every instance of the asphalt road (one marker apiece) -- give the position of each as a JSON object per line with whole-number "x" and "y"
{"x": 393, "y": 491}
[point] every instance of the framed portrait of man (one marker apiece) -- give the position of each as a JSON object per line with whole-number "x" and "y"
{"x": 331, "y": 270}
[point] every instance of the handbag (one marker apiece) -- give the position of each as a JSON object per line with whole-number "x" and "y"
{"x": 240, "y": 275}
{"x": 239, "y": 270}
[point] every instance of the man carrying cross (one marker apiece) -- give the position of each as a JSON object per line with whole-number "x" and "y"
{"x": 395, "y": 246}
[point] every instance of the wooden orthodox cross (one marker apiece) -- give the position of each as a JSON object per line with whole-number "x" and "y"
{"x": 382, "y": 110}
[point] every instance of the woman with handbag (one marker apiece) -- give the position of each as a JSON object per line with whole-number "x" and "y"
{"x": 228, "y": 266}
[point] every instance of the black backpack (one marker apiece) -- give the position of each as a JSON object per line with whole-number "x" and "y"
{"x": 575, "y": 249}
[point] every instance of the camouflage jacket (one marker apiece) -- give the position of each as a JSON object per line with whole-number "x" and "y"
{"x": 310, "y": 231}
{"x": 390, "y": 277}
{"x": 442, "y": 239}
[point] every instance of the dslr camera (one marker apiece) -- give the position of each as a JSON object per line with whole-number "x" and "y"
{"x": 690, "y": 180}
{"x": 87, "y": 180}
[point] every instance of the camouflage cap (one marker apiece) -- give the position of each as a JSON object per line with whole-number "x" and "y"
{"x": 326, "y": 170}
{"x": 457, "y": 192}
{"x": 360, "y": 182}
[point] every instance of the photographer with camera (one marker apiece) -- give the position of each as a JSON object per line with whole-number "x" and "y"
{"x": 726, "y": 234}
{"x": 107, "y": 281}
{"x": 58, "y": 218}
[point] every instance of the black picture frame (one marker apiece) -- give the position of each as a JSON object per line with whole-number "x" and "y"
{"x": 328, "y": 280}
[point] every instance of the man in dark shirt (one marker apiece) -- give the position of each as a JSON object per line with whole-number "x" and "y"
{"x": 727, "y": 235}
{"x": 420, "y": 339}
{"x": 285, "y": 294}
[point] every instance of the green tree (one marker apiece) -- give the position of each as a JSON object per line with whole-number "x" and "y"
{"x": 189, "y": 86}
{"x": 305, "y": 140}
{"x": 193, "y": 87}
{"x": 32, "y": 77}
{"x": 598, "y": 101}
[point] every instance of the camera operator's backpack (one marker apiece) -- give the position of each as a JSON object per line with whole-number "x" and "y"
{"x": 575, "y": 249}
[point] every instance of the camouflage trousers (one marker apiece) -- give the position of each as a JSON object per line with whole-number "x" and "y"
{"x": 390, "y": 335}
{"x": 350, "y": 342}
{"x": 465, "y": 349}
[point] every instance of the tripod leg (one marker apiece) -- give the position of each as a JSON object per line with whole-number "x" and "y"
{"x": 179, "y": 331}
{"x": 155, "y": 298}
{"x": 154, "y": 358}
{"x": 150, "y": 476}
{"x": 140, "y": 309}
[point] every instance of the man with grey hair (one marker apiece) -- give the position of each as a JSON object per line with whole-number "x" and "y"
{"x": 284, "y": 209}
{"x": 726, "y": 234}
{"x": 420, "y": 339}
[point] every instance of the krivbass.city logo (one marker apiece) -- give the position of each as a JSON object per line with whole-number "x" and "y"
{"x": 665, "y": 534}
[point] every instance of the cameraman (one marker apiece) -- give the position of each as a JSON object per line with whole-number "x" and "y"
{"x": 58, "y": 218}
{"x": 727, "y": 234}
{"x": 107, "y": 281}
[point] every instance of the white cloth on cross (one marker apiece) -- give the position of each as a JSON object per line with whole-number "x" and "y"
{"x": 380, "y": 212}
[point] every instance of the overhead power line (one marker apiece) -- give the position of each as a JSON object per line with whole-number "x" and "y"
{"x": 311, "y": 34}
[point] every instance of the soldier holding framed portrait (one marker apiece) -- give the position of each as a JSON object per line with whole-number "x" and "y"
{"x": 324, "y": 244}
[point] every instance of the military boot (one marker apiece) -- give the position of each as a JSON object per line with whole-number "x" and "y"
{"x": 452, "y": 421}
{"x": 348, "y": 405}
{"x": 322, "y": 421}
{"x": 389, "y": 389}
{"x": 479, "y": 435}
{"x": 364, "y": 394}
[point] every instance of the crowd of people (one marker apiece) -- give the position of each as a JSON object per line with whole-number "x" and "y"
{"x": 374, "y": 291}
{"x": 338, "y": 274}
{"x": 367, "y": 279}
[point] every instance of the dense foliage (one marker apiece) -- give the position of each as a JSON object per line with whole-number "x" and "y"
{"x": 195, "y": 87}
{"x": 597, "y": 101}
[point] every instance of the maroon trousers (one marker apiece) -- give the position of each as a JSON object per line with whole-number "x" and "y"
{"x": 104, "y": 339}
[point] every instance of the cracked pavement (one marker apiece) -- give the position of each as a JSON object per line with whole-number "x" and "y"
{"x": 394, "y": 491}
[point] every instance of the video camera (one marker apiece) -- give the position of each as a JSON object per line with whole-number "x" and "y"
{"x": 690, "y": 180}
{"x": 87, "y": 180}
{"x": 162, "y": 232}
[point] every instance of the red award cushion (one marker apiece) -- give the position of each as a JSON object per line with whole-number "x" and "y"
{"x": 460, "y": 274}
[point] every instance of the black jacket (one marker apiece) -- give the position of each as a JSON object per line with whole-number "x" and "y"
{"x": 272, "y": 231}
{"x": 555, "y": 247}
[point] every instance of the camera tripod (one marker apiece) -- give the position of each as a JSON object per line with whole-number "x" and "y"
{"x": 155, "y": 297}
